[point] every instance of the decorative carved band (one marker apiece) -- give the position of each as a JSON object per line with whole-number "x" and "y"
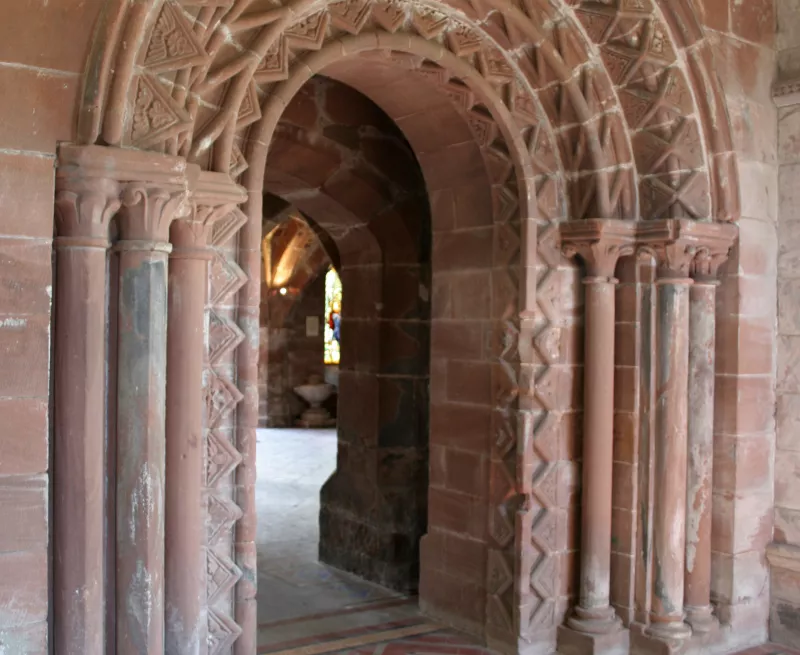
{"x": 680, "y": 247}
{"x": 599, "y": 243}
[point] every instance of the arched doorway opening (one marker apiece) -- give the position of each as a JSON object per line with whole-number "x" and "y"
{"x": 364, "y": 202}
{"x": 300, "y": 289}
{"x": 468, "y": 181}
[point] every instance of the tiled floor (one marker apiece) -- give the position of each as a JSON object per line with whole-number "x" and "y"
{"x": 307, "y": 608}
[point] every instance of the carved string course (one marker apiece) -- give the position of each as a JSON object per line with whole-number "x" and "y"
{"x": 599, "y": 109}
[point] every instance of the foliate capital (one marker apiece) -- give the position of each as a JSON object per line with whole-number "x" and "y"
{"x": 86, "y": 198}
{"x": 149, "y": 188}
{"x": 83, "y": 212}
{"x": 599, "y": 243}
{"x": 214, "y": 196}
{"x": 684, "y": 248}
{"x": 713, "y": 252}
{"x": 148, "y": 211}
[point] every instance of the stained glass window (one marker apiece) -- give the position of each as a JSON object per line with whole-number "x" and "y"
{"x": 333, "y": 316}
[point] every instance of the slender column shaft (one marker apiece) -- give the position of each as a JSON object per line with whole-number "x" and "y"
{"x": 111, "y": 459}
{"x": 79, "y": 446}
{"x": 669, "y": 535}
{"x": 186, "y": 615}
{"x": 598, "y": 447}
{"x": 697, "y": 578}
{"x": 214, "y": 196}
{"x": 83, "y": 210}
{"x": 141, "y": 386}
{"x": 148, "y": 210}
{"x": 594, "y": 627}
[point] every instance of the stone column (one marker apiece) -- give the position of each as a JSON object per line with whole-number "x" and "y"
{"x": 697, "y": 579}
{"x": 594, "y": 627}
{"x": 671, "y": 416}
{"x": 185, "y": 567}
{"x": 149, "y": 207}
{"x": 702, "y": 344}
{"x": 85, "y": 203}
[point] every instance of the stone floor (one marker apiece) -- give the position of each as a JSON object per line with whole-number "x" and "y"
{"x": 307, "y": 608}
{"x": 304, "y": 604}
{"x": 292, "y": 466}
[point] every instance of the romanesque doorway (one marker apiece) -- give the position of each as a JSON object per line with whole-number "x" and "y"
{"x": 201, "y": 121}
{"x": 345, "y": 302}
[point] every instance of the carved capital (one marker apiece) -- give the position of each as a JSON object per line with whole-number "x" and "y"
{"x": 86, "y": 198}
{"x": 684, "y": 248}
{"x": 599, "y": 243}
{"x": 214, "y": 197}
{"x": 674, "y": 259}
{"x": 84, "y": 210}
{"x": 713, "y": 250}
{"x": 148, "y": 211}
{"x": 152, "y": 188}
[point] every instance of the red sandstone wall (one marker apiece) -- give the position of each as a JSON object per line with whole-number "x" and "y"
{"x": 43, "y": 48}
{"x": 787, "y": 498}
{"x": 785, "y": 555}
{"x": 743, "y": 34}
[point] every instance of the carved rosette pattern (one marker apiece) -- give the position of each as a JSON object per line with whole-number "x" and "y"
{"x": 223, "y": 336}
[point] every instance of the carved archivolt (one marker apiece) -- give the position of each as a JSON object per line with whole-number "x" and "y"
{"x": 628, "y": 91}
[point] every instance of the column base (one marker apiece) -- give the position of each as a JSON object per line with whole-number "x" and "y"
{"x": 668, "y": 628}
{"x": 601, "y": 621}
{"x": 661, "y": 639}
{"x": 576, "y": 642}
{"x": 701, "y": 619}
{"x": 644, "y": 644}
{"x": 669, "y": 631}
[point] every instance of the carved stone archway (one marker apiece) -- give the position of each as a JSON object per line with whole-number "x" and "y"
{"x": 581, "y": 109}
